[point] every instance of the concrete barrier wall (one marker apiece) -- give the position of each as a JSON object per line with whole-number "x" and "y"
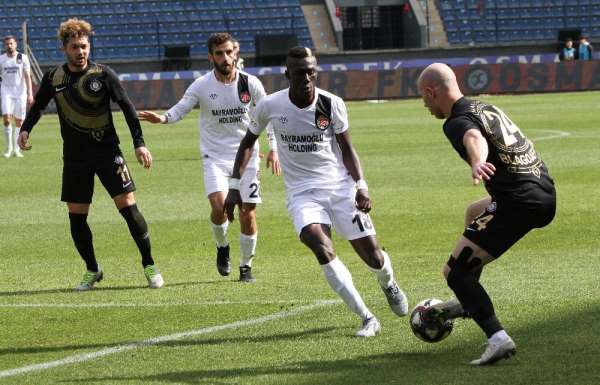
{"x": 401, "y": 83}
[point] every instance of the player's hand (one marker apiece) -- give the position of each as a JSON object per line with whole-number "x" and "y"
{"x": 143, "y": 156}
{"x": 29, "y": 100}
{"x": 363, "y": 201}
{"x": 233, "y": 199}
{"x": 23, "y": 141}
{"x": 149, "y": 116}
{"x": 482, "y": 171}
{"x": 273, "y": 162}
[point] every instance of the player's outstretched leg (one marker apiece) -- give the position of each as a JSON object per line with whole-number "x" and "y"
{"x": 138, "y": 228}
{"x": 394, "y": 295}
{"x": 340, "y": 280}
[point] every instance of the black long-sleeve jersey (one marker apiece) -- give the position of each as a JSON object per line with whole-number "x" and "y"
{"x": 516, "y": 161}
{"x": 83, "y": 104}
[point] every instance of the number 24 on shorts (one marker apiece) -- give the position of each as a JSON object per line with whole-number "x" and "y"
{"x": 483, "y": 221}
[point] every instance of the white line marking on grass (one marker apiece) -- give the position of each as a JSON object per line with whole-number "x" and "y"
{"x": 166, "y": 304}
{"x": 555, "y": 134}
{"x": 168, "y": 338}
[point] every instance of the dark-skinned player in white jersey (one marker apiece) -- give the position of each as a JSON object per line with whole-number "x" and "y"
{"x": 324, "y": 182}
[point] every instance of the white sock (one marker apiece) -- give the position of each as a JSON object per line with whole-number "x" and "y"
{"x": 220, "y": 233}
{"x": 247, "y": 247}
{"x": 16, "y": 139}
{"x": 498, "y": 337}
{"x": 385, "y": 275}
{"x": 8, "y": 136}
{"x": 340, "y": 280}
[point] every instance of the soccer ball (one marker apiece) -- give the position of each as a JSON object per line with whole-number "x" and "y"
{"x": 426, "y": 330}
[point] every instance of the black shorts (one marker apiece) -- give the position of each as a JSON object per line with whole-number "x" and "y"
{"x": 78, "y": 177}
{"x": 504, "y": 222}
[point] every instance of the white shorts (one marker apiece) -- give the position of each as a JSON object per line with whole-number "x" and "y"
{"x": 14, "y": 105}
{"x": 217, "y": 175}
{"x": 335, "y": 208}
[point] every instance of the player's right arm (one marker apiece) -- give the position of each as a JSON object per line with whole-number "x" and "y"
{"x": 190, "y": 99}
{"x": 477, "y": 153}
{"x": 42, "y": 98}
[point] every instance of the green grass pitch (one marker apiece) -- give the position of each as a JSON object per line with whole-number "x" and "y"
{"x": 546, "y": 289}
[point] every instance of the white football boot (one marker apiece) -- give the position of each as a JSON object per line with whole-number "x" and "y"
{"x": 370, "y": 328}
{"x": 396, "y": 299}
{"x": 496, "y": 352}
{"x": 155, "y": 279}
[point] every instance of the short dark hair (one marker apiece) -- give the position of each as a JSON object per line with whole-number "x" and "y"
{"x": 217, "y": 39}
{"x": 299, "y": 52}
{"x": 9, "y": 37}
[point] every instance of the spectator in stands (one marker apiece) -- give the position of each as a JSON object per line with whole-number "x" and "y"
{"x": 567, "y": 53}
{"x": 16, "y": 91}
{"x": 584, "y": 51}
{"x": 239, "y": 62}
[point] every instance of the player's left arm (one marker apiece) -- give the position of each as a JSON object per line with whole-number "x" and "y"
{"x": 352, "y": 163}
{"x": 477, "y": 152}
{"x": 119, "y": 96}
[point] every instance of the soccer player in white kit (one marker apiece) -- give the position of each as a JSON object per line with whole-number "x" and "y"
{"x": 324, "y": 182}
{"x": 16, "y": 92}
{"x": 225, "y": 96}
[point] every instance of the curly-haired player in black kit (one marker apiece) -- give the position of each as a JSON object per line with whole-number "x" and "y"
{"x": 83, "y": 91}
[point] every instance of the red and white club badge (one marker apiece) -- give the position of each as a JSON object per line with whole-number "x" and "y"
{"x": 322, "y": 122}
{"x": 245, "y": 97}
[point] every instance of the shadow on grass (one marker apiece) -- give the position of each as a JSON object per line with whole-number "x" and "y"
{"x": 207, "y": 342}
{"x": 560, "y": 350}
{"x": 109, "y": 288}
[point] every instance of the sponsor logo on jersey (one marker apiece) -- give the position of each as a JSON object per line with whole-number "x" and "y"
{"x": 283, "y": 119}
{"x": 213, "y": 96}
{"x": 60, "y": 88}
{"x": 323, "y": 122}
{"x": 245, "y": 97}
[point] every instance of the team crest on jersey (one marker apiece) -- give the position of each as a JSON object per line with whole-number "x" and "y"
{"x": 98, "y": 134}
{"x": 119, "y": 160}
{"x": 95, "y": 85}
{"x": 283, "y": 119}
{"x": 245, "y": 97}
{"x": 213, "y": 96}
{"x": 323, "y": 122}
{"x": 491, "y": 207}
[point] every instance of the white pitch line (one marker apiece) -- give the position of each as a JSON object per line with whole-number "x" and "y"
{"x": 167, "y": 304}
{"x": 168, "y": 338}
{"x": 555, "y": 134}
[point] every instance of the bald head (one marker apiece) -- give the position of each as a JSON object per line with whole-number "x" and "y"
{"x": 438, "y": 75}
{"x": 439, "y": 89}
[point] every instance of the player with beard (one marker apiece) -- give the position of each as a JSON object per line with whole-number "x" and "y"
{"x": 16, "y": 91}
{"x": 521, "y": 197}
{"x": 324, "y": 182}
{"x": 225, "y": 96}
{"x": 83, "y": 91}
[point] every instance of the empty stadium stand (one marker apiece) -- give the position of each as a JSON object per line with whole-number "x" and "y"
{"x": 508, "y": 21}
{"x": 135, "y": 29}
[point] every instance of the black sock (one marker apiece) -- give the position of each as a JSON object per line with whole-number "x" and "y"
{"x": 139, "y": 231}
{"x": 82, "y": 237}
{"x": 475, "y": 300}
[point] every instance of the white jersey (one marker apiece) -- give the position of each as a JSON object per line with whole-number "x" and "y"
{"x": 224, "y": 112}
{"x": 308, "y": 150}
{"x": 12, "y": 72}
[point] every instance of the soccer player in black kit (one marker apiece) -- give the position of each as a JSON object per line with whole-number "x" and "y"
{"x": 83, "y": 91}
{"x": 521, "y": 197}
